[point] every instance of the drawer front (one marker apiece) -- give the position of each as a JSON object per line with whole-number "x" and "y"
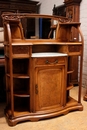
{"x": 74, "y": 48}
{"x": 20, "y": 49}
{"x": 70, "y": 49}
{"x": 49, "y": 61}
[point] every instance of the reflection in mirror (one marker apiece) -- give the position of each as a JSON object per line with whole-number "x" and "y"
{"x": 39, "y": 28}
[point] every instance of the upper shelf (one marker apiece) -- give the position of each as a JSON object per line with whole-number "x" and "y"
{"x": 51, "y": 54}
{"x": 56, "y": 29}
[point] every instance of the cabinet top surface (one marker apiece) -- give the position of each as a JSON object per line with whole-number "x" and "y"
{"x": 49, "y": 54}
{"x": 42, "y": 41}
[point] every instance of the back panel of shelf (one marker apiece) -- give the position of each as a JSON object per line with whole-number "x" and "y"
{"x": 21, "y": 66}
{"x": 21, "y": 86}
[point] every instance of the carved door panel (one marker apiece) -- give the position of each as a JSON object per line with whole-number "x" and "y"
{"x": 49, "y": 88}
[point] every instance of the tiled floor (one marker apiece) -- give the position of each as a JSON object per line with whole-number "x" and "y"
{"x": 76, "y": 120}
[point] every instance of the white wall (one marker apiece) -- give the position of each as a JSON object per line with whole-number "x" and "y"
{"x": 83, "y": 20}
{"x": 47, "y": 5}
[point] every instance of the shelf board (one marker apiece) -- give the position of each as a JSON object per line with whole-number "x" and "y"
{"x": 71, "y": 71}
{"x": 71, "y": 102}
{"x": 20, "y": 56}
{"x": 18, "y": 113}
{"x": 71, "y": 23}
{"x": 19, "y": 76}
{"x": 21, "y": 94}
{"x": 70, "y": 86}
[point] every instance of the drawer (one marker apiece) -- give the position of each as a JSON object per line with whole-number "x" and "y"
{"x": 70, "y": 49}
{"x": 20, "y": 49}
{"x": 49, "y": 61}
{"x": 74, "y": 48}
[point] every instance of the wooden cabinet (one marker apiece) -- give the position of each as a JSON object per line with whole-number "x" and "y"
{"x": 38, "y": 70}
{"x": 49, "y": 82}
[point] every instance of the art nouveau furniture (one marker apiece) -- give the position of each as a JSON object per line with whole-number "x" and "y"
{"x": 38, "y": 70}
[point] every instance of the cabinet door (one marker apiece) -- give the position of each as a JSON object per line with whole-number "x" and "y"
{"x": 49, "y": 87}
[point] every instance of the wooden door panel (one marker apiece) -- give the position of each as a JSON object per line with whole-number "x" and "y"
{"x": 50, "y": 87}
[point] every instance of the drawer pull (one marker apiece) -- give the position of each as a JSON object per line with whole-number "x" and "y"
{"x": 47, "y": 62}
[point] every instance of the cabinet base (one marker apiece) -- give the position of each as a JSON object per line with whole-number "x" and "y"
{"x": 35, "y": 117}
